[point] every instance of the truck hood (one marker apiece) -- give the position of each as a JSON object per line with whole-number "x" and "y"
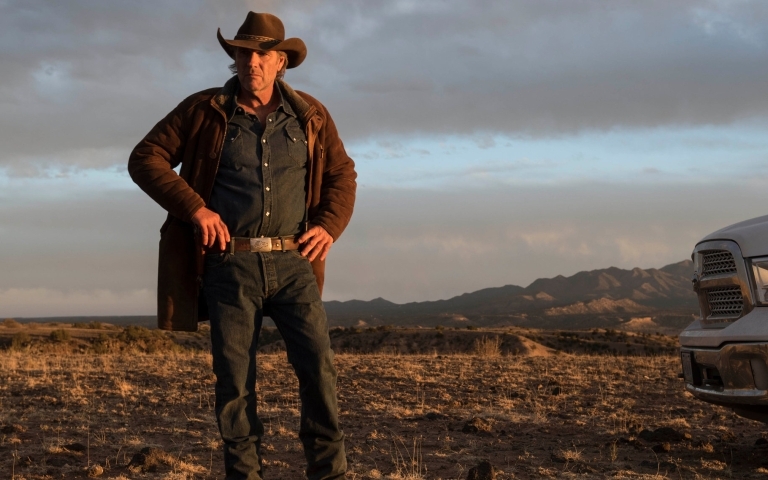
{"x": 751, "y": 235}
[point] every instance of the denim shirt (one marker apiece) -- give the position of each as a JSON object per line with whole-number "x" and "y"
{"x": 260, "y": 187}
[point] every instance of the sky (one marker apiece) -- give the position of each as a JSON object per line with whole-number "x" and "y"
{"x": 496, "y": 142}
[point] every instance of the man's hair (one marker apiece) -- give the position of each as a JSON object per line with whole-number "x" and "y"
{"x": 280, "y": 74}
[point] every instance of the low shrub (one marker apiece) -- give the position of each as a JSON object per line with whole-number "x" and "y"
{"x": 102, "y": 344}
{"x": 11, "y": 323}
{"x": 488, "y": 347}
{"x": 60, "y": 336}
{"x": 20, "y": 340}
{"x": 135, "y": 334}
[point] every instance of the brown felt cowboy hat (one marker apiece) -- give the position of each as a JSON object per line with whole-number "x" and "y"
{"x": 264, "y": 31}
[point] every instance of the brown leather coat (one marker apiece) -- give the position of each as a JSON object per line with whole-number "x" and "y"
{"x": 193, "y": 135}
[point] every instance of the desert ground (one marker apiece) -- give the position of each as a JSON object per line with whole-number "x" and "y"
{"x": 130, "y": 403}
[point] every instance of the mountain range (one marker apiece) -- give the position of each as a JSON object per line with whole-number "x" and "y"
{"x": 651, "y": 300}
{"x": 595, "y": 298}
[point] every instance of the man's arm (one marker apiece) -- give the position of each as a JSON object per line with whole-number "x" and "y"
{"x": 152, "y": 161}
{"x": 151, "y": 166}
{"x": 337, "y": 195}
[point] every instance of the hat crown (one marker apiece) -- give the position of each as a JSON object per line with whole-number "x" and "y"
{"x": 262, "y": 25}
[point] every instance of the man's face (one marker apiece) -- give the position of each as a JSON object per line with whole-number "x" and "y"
{"x": 257, "y": 69}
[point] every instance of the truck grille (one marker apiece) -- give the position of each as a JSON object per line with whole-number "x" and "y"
{"x": 716, "y": 262}
{"x": 725, "y": 302}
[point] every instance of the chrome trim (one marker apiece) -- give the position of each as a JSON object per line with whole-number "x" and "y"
{"x": 702, "y": 283}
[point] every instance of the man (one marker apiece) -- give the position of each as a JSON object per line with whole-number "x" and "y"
{"x": 265, "y": 188}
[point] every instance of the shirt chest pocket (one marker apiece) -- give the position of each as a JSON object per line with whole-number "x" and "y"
{"x": 297, "y": 144}
{"x": 231, "y": 153}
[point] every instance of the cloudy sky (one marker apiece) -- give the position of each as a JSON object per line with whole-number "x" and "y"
{"x": 496, "y": 141}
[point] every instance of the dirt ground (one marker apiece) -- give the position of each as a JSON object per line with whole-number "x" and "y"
{"x": 405, "y": 416}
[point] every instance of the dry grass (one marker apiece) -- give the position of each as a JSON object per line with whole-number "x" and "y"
{"x": 405, "y": 417}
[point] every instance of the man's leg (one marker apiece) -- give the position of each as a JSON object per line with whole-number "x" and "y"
{"x": 233, "y": 290}
{"x": 298, "y": 313}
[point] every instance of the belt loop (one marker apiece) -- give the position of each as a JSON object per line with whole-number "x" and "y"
{"x": 232, "y": 246}
{"x": 282, "y": 243}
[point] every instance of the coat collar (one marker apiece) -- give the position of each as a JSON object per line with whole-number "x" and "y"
{"x": 301, "y": 107}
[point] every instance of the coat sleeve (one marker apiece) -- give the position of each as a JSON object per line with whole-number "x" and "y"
{"x": 152, "y": 161}
{"x": 337, "y": 191}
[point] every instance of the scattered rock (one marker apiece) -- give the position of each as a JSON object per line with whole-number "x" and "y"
{"x": 76, "y": 447}
{"x": 482, "y": 471}
{"x": 557, "y": 458}
{"x": 662, "y": 448}
{"x": 434, "y": 416}
{"x": 664, "y": 434}
{"x": 95, "y": 471}
{"x": 148, "y": 459}
{"x": 58, "y": 461}
{"x": 727, "y": 436}
{"x": 9, "y": 429}
{"x": 704, "y": 445}
{"x": 582, "y": 468}
{"x": 477, "y": 425}
{"x": 629, "y": 441}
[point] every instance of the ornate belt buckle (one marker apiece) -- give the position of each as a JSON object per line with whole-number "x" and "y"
{"x": 261, "y": 244}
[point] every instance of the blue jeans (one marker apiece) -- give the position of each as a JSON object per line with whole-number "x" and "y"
{"x": 241, "y": 289}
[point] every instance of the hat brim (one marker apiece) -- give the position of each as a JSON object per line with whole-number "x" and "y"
{"x": 294, "y": 48}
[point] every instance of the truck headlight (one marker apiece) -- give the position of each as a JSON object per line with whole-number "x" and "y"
{"x": 760, "y": 274}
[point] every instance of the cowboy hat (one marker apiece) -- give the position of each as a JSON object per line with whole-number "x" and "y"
{"x": 264, "y": 31}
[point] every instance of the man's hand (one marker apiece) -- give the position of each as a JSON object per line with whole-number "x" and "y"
{"x": 316, "y": 241}
{"x": 211, "y": 227}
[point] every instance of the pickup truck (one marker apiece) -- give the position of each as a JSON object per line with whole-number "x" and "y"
{"x": 725, "y": 350}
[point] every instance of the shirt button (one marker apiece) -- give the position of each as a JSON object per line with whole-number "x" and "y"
{"x": 267, "y": 214}
{"x": 305, "y": 142}
{"x": 263, "y": 140}
{"x": 294, "y": 139}
{"x": 266, "y": 164}
{"x": 267, "y": 188}
{"x": 270, "y": 119}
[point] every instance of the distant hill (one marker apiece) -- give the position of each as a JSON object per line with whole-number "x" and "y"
{"x": 149, "y": 321}
{"x": 598, "y": 298}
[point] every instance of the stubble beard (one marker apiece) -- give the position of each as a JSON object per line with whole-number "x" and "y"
{"x": 254, "y": 84}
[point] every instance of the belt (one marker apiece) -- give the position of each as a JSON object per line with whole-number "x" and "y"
{"x": 259, "y": 244}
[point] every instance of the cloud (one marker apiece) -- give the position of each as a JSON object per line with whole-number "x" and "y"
{"x": 82, "y": 82}
{"x": 79, "y": 75}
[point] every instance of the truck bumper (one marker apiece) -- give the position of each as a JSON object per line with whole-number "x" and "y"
{"x": 751, "y": 328}
{"x": 735, "y": 374}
